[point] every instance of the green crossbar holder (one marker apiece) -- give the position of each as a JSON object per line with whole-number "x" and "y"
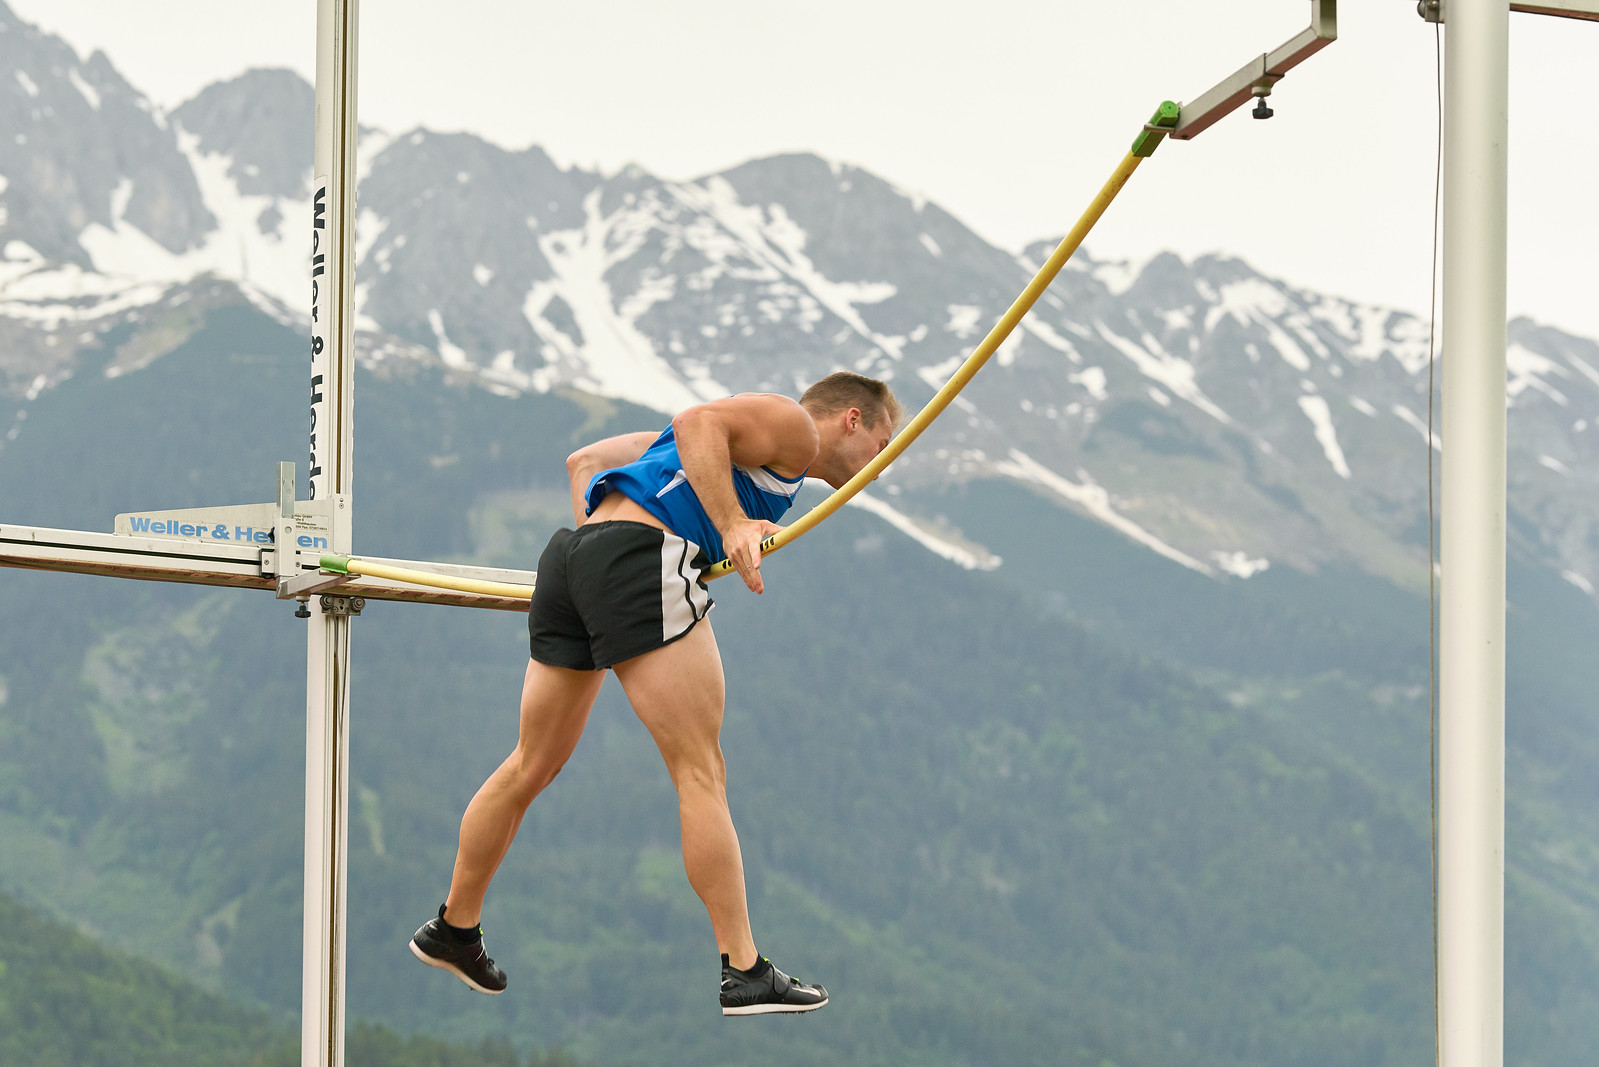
{"x": 1156, "y": 129}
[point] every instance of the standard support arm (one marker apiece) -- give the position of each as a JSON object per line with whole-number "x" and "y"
{"x": 1261, "y": 72}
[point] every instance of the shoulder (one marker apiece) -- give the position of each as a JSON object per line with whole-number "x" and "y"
{"x": 762, "y": 429}
{"x": 750, "y": 411}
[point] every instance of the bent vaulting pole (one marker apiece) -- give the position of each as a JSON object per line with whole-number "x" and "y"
{"x": 1471, "y": 723}
{"x": 327, "y": 726}
{"x": 1164, "y": 120}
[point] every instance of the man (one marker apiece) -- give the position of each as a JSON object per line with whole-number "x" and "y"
{"x": 623, "y": 591}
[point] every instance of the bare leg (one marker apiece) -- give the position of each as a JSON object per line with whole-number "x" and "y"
{"x": 555, "y": 708}
{"x": 677, "y": 692}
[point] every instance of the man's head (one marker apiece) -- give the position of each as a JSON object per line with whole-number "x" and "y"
{"x": 855, "y": 418}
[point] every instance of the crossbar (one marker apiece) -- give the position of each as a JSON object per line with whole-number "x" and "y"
{"x": 238, "y": 566}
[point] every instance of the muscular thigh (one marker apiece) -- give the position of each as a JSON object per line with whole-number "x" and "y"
{"x": 678, "y": 691}
{"x": 555, "y": 707}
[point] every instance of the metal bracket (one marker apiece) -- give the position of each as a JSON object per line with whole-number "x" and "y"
{"x": 1430, "y": 10}
{"x": 308, "y": 582}
{"x": 302, "y": 531}
{"x": 1255, "y": 79}
{"x": 342, "y": 605}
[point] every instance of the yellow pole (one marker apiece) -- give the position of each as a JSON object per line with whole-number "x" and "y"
{"x": 975, "y": 361}
{"x": 438, "y": 581}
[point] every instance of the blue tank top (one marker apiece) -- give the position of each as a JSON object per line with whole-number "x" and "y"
{"x": 656, "y": 482}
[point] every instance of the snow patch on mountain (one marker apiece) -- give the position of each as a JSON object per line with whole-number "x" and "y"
{"x": 1173, "y": 372}
{"x": 46, "y": 296}
{"x": 1095, "y": 500}
{"x": 938, "y": 375}
{"x": 1248, "y": 301}
{"x": 770, "y": 237}
{"x": 963, "y": 319}
{"x": 87, "y": 91}
{"x": 1092, "y": 379}
{"x": 971, "y": 558}
{"x": 1320, "y": 416}
{"x": 1416, "y": 422}
{"x": 1528, "y": 370}
{"x": 1555, "y": 465}
{"x": 1239, "y": 564}
{"x": 1046, "y": 333}
{"x": 1116, "y": 275}
{"x": 452, "y": 354}
{"x": 1286, "y": 347}
{"x": 248, "y": 245}
{"x": 618, "y": 359}
{"x": 1584, "y": 368}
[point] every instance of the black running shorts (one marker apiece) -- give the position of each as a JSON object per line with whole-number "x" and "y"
{"x": 609, "y": 591}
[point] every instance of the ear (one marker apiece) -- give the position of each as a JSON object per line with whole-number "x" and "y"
{"x": 852, "y": 420}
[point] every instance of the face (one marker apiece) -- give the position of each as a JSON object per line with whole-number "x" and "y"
{"x": 858, "y": 444}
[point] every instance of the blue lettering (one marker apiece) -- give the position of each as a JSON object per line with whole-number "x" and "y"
{"x": 186, "y": 530}
{"x": 263, "y": 537}
{"x": 307, "y": 541}
{"x": 141, "y": 524}
{"x": 160, "y": 527}
{"x": 219, "y": 532}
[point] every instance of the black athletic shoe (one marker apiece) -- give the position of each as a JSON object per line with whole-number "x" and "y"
{"x": 435, "y": 946}
{"x": 765, "y": 990}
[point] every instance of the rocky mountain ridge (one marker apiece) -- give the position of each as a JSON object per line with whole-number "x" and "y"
{"x": 1226, "y": 420}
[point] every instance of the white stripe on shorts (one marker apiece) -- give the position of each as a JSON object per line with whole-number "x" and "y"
{"x": 684, "y": 600}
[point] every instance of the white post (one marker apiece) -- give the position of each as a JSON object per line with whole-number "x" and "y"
{"x": 327, "y": 727}
{"x": 1471, "y": 870}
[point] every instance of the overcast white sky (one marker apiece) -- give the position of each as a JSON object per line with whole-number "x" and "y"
{"x": 1009, "y": 113}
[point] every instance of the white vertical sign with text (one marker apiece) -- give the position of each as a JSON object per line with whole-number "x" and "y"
{"x": 320, "y": 343}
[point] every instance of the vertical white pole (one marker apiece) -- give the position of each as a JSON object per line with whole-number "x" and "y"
{"x": 327, "y": 727}
{"x": 1471, "y": 871}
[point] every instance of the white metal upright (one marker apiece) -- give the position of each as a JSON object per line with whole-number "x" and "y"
{"x": 1471, "y": 728}
{"x": 327, "y": 711}
{"x": 278, "y": 545}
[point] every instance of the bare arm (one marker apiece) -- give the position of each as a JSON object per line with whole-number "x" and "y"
{"x": 751, "y": 430}
{"x": 586, "y": 462}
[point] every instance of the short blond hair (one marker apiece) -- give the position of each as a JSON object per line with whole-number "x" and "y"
{"x": 846, "y": 389}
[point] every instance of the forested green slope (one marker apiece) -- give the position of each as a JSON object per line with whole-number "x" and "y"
{"x": 1004, "y": 817}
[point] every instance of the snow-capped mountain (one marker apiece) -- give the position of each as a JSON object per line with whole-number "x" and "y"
{"x": 1229, "y": 421}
